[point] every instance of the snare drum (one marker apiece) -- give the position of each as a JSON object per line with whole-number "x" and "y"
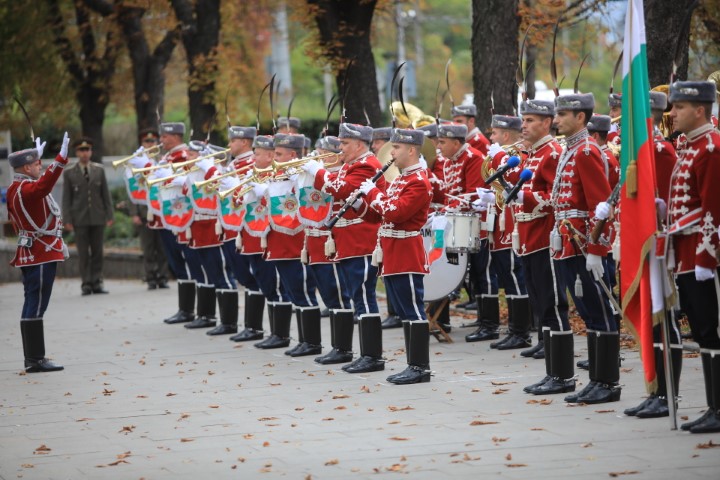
{"x": 444, "y": 277}
{"x": 464, "y": 233}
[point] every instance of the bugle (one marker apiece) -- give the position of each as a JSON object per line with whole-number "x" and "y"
{"x": 224, "y": 175}
{"x": 224, "y": 153}
{"x": 148, "y": 151}
{"x": 136, "y": 171}
{"x": 154, "y": 181}
{"x": 298, "y": 162}
{"x": 254, "y": 178}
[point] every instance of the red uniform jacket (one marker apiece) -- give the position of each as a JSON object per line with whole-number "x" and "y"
{"x": 36, "y": 215}
{"x": 504, "y": 223}
{"x": 404, "y": 211}
{"x": 694, "y": 209}
{"x": 478, "y": 141}
{"x": 665, "y": 160}
{"x": 354, "y": 237}
{"x": 580, "y": 184}
{"x": 534, "y": 216}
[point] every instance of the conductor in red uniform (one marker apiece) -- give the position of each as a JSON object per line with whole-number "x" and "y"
{"x": 36, "y": 218}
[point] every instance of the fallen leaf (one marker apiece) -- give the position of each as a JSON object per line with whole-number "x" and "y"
{"x": 121, "y": 456}
{"x": 27, "y": 465}
{"x": 185, "y": 440}
{"x": 170, "y": 394}
{"x": 626, "y": 472}
{"x": 508, "y": 457}
{"x": 42, "y": 450}
{"x": 400, "y": 409}
{"x": 141, "y": 396}
{"x": 397, "y": 467}
{"x": 475, "y": 423}
{"x": 500, "y": 391}
{"x": 340, "y": 407}
{"x": 68, "y": 394}
{"x": 339, "y": 396}
{"x": 365, "y": 389}
{"x": 266, "y": 419}
{"x": 394, "y": 422}
{"x": 299, "y": 409}
{"x": 497, "y": 383}
{"x": 213, "y": 406}
{"x": 537, "y": 429}
{"x": 544, "y": 401}
{"x": 116, "y": 463}
{"x": 515, "y": 465}
{"x": 328, "y": 419}
{"x": 334, "y": 461}
{"x": 266, "y": 444}
{"x": 604, "y": 411}
{"x": 475, "y": 390}
{"x": 586, "y": 445}
{"x": 84, "y": 419}
{"x": 248, "y": 436}
{"x": 127, "y": 429}
{"x": 400, "y": 439}
{"x": 241, "y": 459}
{"x": 500, "y": 439}
{"x": 210, "y": 372}
{"x": 710, "y": 444}
{"x": 107, "y": 392}
{"x": 183, "y": 416}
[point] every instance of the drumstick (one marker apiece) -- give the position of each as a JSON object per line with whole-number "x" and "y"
{"x": 460, "y": 199}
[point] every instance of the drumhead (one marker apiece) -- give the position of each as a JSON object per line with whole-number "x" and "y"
{"x": 444, "y": 277}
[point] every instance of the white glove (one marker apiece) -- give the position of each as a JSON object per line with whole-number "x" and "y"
{"x": 294, "y": 178}
{"x": 703, "y": 274}
{"x": 613, "y": 128}
{"x": 65, "y": 144}
{"x": 661, "y": 207}
{"x": 479, "y": 205}
{"x": 312, "y": 167}
{"x": 163, "y": 172}
{"x": 485, "y": 195}
{"x": 494, "y": 149}
{"x": 228, "y": 183}
{"x": 602, "y": 211}
{"x": 205, "y": 164}
{"x": 259, "y": 189}
{"x": 40, "y": 146}
{"x": 366, "y": 186}
{"x": 139, "y": 161}
{"x": 357, "y": 203}
{"x": 178, "y": 181}
{"x": 594, "y": 265}
{"x": 423, "y": 162}
{"x": 139, "y": 151}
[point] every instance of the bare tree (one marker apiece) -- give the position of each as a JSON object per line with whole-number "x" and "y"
{"x": 663, "y": 23}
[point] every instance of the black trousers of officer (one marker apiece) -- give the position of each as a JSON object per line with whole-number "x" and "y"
{"x": 548, "y": 296}
{"x": 89, "y": 241}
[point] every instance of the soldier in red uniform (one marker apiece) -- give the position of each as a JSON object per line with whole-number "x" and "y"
{"x": 36, "y": 218}
{"x": 693, "y": 219}
{"x": 665, "y": 155}
{"x": 380, "y": 136}
{"x": 534, "y": 221}
{"x": 355, "y": 238}
{"x": 404, "y": 212}
{"x": 615, "y": 105}
{"x": 465, "y": 114}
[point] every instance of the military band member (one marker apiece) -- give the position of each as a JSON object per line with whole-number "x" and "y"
{"x": 380, "y": 136}
{"x": 466, "y": 115}
{"x": 154, "y": 262}
{"x": 615, "y": 105}
{"x": 665, "y": 155}
{"x": 693, "y": 219}
{"x": 598, "y": 127}
{"x": 36, "y": 218}
{"x": 534, "y": 220}
{"x": 355, "y": 238}
{"x": 88, "y": 210}
{"x": 288, "y": 125}
{"x": 404, "y": 212}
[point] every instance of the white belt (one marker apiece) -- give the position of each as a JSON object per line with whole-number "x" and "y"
{"x": 314, "y": 232}
{"x": 202, "y": 216}
{"x": 346, "y": 223}
{"x": 562, "y": 215}
{"x": 35, "y": 234}
{"x": 527, "y": 217}
{"x": 689, "y": 230}
{"x": 390, "y": 233}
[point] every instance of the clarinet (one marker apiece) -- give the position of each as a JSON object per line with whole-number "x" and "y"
{"x": 348, "y": 203}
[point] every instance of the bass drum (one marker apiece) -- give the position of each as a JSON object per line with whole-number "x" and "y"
{"x": 444, "y": 277}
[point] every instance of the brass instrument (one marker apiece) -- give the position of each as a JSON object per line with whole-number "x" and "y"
{"x": 254, "y": 178}
{"x": 427, "y": 150}
{"x": 153, "y": 181}
{"x": 616, "y": 119}
{"x": 486, "y": 171}
{"x": 224, "y": 175}
{"x": 154, "y": 150}
{"x": 224, "y": 153}
{"x": 136, "y": 171}
{"x": 415, "y": 118}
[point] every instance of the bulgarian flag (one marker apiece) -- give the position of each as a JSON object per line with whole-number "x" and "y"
{"x": 640, "y": 289}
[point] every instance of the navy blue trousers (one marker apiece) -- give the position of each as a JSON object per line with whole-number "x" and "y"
{"x": 37, "y": 283}
{"x": 216, "y": 270}
{"x": 484, "y": 279}
{"x": 406, "y": 291}
{"x": 547, "y": 296}
{"x": 173, "y": 253}
{"x": 297, "y": 282}
{"x": 361, "y": 278}
{"x": 594, "y": 306}
{"x": 509, "y": 271}
{"x": 331, "y": 285}
{"x": 267, "y": 278}
{"x": 699, "y": 301}
{"x": 240, "y": 266}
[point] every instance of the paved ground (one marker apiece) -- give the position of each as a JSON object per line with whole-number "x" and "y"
{"x": 140, "y": 399}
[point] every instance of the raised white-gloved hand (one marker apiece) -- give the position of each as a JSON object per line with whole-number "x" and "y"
{"x": 162, "y": 172}
{"x": 613, "y": 128}
{"x": 64, "y": 147}
{"x": 178, "y": 181}
{"x": 205, "y": 164}
{"x": 312, "y": 167}
{"x": 479, "y": 206}
{"x": 661, "y": 207}
{"x": 259, "y": 189}
{"x": 594, "y": 265}
{"x": 139, "y": 151}
{"x": 366, "y": 186}
{"x": 39, "y": 146}
{"x": 703, "y": 274}
{"x": 485, "y": 195}
{"x": 602, "y": 211}
{"x": 494, "y": 149}
{"x": 139, "y": 161}
{"x": 227, "y": 183}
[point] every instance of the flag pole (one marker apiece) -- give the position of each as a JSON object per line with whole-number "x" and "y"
{"x": 661, "y": 263}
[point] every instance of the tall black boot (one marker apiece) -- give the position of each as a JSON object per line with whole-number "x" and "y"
{"x": 370, "y": 330}
{"x": 254, "y": 306}
{"x": 186, "y": 303}
{"x": 537, "y": 351}
{"x": 312, "y": 334}
{"x": 271, "y": 322}
{"x": 607, "y": 370}
{"x": 490, "y": 321}
{"x": 591, "y": 337}
{"x": 228, "y": 306}
{"x": 561, "y": 365}
{"x": 711, "y": 423}
{"x": 656, "y": 405}
{"x": 510, "y": 306}
{"x": 341, "y": 335}
{"x": 205, "y": 308}
{"x": 707, "y": 375}
{"x": 548, "y": 368}
{"x": 406, "y": 339}
{"x": 418, "y": 370}
{"x": 520, "y": 321}
{"x": 33, "y": 338}
{"x": 282, "y": 318}
{"x": 301, "y": 333}
{"x": 392, "y": 320}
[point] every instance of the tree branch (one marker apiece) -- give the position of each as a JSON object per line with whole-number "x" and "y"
{"x": 64, "y": 46}
{"x": 100, "y": 6}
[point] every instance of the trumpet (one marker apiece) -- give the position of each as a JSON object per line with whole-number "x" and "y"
{"x": 136, "y": 171}
{"x": 155, "y": 149}
{"x": 224, "y": 153}
{"x": 154, "y": 181}
{"x": 298, "y": 162}
{"x": 254, "y": 178}
{"x": 224, "y": 175}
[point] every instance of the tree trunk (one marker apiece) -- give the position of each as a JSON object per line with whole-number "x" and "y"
{"x": 148, "y": 68}
{"x": 494, "y": 45}
{"x": 344, "y": 27}
{"x": 663, "y": 21}
{"x": 200, "y": 35}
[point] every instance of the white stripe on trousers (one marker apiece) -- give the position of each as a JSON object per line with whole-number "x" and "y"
{"x": 555, "y": 293}
{"x": 39, "y": 307}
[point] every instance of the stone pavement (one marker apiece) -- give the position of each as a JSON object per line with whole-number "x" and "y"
{"x": 141, "y": 399}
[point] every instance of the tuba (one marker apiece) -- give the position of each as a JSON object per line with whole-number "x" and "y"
{"x": 487, "y": 171}
{"x": 666, "y": 127}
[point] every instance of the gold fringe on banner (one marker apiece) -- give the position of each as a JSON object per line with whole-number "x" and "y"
{"x": 631, "y": 180}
